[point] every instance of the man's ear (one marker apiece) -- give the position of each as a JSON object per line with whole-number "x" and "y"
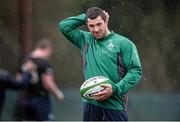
{"x": 106, "y": 21}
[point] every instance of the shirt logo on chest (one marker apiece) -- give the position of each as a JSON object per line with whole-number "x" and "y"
{"x": 110, "y": 45}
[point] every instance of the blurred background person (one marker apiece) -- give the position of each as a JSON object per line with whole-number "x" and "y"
{"x": 9, "y": 82}
{"x": 34, "y": 102}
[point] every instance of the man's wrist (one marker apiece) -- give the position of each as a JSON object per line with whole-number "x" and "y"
{"x": 114, "y": 88}
{"x": 83, "y": 17}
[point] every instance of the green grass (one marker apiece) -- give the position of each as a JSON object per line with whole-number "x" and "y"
{"x": 142, "y": 106}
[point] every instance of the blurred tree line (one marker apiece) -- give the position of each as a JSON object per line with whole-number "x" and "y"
{"x": 153, "y": 25}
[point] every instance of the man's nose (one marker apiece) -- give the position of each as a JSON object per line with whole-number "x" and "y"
{"x": 96, "y": 29}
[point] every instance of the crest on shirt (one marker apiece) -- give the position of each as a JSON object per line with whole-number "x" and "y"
{"x": 110, "y": 45}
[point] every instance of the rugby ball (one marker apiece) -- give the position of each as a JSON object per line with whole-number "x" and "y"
{"x": 92, "y": 86}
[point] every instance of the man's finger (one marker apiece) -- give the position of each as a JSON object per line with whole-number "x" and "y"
{"x": 100, "y": 98}
{"x": 105, "y": 85}
{"x": 106, "y": 13}
{"x": 100, "y": 93}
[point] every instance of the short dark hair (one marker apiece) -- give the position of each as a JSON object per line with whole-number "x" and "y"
{"x": 44, "y": 44}
{"x": 94, "y": 12}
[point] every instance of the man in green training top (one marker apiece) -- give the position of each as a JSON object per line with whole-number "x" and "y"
{"x": 108, "y": 54}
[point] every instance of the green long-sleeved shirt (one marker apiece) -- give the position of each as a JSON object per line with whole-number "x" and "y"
{"x": 114, "y": 56}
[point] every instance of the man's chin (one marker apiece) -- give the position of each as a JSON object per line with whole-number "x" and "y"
{"x": 98, "y": 37}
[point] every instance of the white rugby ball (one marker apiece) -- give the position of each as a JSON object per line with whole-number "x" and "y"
{"x": 92, "y": 86}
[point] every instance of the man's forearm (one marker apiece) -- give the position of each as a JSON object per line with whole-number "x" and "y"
{"x": 72, "y": 23}
{"x": 69, "y": 28}
{"x": 56, "y": 91}
{"x": 131, "y": 79}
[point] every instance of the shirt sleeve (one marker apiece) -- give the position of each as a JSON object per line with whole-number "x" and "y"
{"x": 69, "y": 28}
{"x": 46, "y": 69}
{"x": 133, "y": 68}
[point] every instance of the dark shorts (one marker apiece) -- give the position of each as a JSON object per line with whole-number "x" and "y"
{"x": 34, "y": 109}
{"x": 95, "y": 113}
{"x": 2, "y": 98}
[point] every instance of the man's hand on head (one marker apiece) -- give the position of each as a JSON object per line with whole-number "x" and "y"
{"x": 107, "y": 16}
